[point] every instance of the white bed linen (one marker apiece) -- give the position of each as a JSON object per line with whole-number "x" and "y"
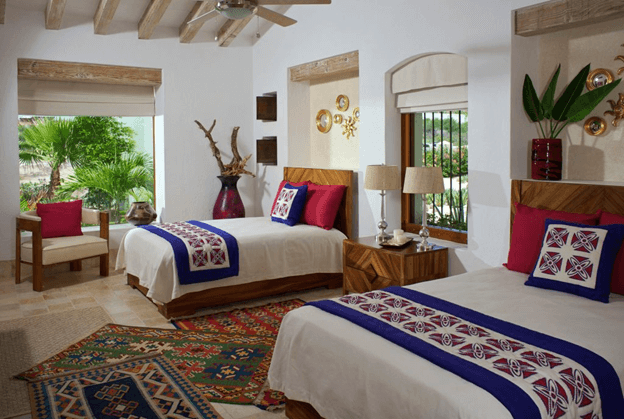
{"x": 267, "y": 250}
{"x": 344, "y": 371}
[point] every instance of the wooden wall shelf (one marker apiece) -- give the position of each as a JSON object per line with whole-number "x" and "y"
{"x": 266, "y": 107}
{"x": 266, "y": 151}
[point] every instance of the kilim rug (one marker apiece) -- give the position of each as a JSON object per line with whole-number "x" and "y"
{"x": 146, "y": 387}
{"x": 262, "y": 320}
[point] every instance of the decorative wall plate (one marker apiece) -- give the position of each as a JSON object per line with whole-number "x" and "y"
{"x": 595, "y": 125}
{"x": 598, "y": 78}
{"x": 338, "y": 119}
{"x": 356, "y": 114}
{"x": 323, "y": 120}
{"x": 342, "y": 103}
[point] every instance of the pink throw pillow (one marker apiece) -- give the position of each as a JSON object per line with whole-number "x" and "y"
{"x": 617, "y": 277}
{"x": 60, "y": 219}
{"x": 528, "y": 230}
{"x": 281, "y": 185}
{"x": 322, "y": 205}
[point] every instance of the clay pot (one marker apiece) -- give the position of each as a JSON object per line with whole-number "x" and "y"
{"x": 546, "y": 159}
{"x": 140, "y": 213}
{"x": 229, "y": 203}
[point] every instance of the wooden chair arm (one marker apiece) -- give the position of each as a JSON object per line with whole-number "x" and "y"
{"x": 29, "y": 224}
{"x": 104, "y": 224}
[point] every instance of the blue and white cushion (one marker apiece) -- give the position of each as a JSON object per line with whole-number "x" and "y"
{"x": 289, "y": 204}
{"x": 577, "y": 258}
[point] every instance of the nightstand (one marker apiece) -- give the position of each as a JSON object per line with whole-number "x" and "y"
{"x": 368, "y": 266}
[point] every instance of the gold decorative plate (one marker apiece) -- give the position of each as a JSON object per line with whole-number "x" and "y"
{"x": 323, "y": 121}
{"x": 338, "y": 119}
{"x": 598, "y": 78}
{"x": 595, "y": 125}
{"x": 342, "y": 103}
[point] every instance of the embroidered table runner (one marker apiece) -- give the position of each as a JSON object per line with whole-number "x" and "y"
{"x": 202, "y": 252}
{"x": 533, "y": 375}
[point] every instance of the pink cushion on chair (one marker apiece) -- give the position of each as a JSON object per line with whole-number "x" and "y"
{"x": 60, "y": 219}
{"x": 617, "y": 277}
{"x": 528, "y": 230}
{"x": 322, "y": 205}
{"x": 279, "y": 189}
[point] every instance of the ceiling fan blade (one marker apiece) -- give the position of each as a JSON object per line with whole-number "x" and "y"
{"x": 206, "y": 16}
{"x": 287, "y": 2}
{"x": 274, "y": 17}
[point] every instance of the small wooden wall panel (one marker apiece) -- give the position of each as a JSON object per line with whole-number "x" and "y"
{"x": 332, "y": 66}
{"x": 266, "y": 108}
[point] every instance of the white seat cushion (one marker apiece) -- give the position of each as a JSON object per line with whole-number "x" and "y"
{"x": 64, "y": 249}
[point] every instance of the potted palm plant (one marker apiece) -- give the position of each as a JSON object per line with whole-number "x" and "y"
{"x": 553, "y": 116}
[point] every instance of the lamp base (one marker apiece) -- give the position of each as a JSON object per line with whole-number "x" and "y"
{"x": 382, "y": 237}
{"x": 424, "y": 245}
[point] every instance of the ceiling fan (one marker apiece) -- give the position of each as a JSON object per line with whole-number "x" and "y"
{"x": 242, "y": 9}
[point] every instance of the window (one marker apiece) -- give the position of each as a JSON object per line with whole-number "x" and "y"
{"x": 438, "y": 139}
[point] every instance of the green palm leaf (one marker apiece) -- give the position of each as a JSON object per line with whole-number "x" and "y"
{"x": 530, "y": 100}
{"x": 587, "y": 102}
{"x": 570, "y": 95}
{"x": 548, "y": 99}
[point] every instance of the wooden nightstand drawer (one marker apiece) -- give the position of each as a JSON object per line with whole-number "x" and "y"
{"x": 368, "y": 266}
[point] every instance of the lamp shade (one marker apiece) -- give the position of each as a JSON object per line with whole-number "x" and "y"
{"x": 423, "y": 180}
{"x": 380, "y": 177}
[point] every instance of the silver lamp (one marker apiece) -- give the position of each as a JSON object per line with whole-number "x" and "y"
{"x": 423, "y": 180}
{"x": 382, "y": 178}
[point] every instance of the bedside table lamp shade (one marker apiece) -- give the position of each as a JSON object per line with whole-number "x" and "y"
{"x": 382, "y": 178}
{"x": 423, "y": 180}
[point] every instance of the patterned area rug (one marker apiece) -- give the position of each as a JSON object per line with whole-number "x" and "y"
{"x": 147, "y": 387}
{"x": 224, "y": 365}
{"x": 263, "y": 320}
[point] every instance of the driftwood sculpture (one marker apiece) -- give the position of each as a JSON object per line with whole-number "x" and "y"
{"x": 237, "y": 166}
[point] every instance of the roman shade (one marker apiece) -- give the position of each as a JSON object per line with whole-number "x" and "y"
{"x": 65, "y": 98}
{"x": 433, "y": 82}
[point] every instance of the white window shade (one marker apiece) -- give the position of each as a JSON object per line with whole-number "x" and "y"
{"x": 436, "y": 82}
{"x": 60, "y": 98}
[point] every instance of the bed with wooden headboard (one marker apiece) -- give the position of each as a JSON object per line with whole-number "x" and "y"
{"x": 188, "y": 303}
{"x": 331, "y": 368}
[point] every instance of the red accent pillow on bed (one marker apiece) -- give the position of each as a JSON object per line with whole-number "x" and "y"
{"x": 322, "y": 205}
{"x": 528, "y": 230}
{"x": 617, "y": 277}
{"x": 279, "y": 188}
{"x": 60, "y": 219}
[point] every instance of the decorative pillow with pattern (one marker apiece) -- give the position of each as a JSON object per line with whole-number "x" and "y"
{"x": 289, "y": 204}
{"x": 577, "y": 259}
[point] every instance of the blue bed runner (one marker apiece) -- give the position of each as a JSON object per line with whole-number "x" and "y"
{"x": 202, "y": 252}
{"x": 533, "y": 375}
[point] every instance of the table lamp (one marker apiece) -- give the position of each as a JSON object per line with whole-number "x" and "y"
{"x": 380, "y": 177}
{"x": 423, "y": 180}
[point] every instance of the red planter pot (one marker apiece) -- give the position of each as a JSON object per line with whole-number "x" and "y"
{"x": 546, "y": 158}
{"x": 229, "y": 203}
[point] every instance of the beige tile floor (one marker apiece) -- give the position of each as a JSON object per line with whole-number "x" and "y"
{"x": 67, "y": 291}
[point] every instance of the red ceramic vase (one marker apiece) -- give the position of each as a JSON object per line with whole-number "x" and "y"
{"x": 229, "y": 203}
{"x": 546, "y": 159}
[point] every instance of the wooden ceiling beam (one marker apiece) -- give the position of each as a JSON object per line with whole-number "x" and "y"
{"x": 153, "y": 13}
{"x": 54, "y": 13}
{"x": 104, "y": 16}
{"x": 231, "y": 29}
{"x": 88, "y": 73}
{"x": 557, "y": 15}
{"x": 2, "y": 7}
{"x": 188, "y": 32}
{"x": 332, "y": 66}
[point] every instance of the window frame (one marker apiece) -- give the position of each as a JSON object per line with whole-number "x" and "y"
{"x": 407, "y": 204}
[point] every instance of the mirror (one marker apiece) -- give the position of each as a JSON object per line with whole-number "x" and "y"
{"x": 598, "y": 78}
{"x": 323, "y": 120}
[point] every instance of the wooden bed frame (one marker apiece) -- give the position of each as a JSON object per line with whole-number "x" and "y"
{"x": 188, "y": 304}
{"x": 567, "y": 196}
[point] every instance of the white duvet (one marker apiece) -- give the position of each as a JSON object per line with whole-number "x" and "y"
{"x": 267, "y": 250}
{"x": 344, "y": 371}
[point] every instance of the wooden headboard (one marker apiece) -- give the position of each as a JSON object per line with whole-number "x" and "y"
{"x": 344, "y": 218}
{"x": 583, "y": 198}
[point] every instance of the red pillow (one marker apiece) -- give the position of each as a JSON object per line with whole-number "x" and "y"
{"x": 322, "y": 205}
{"x": 281, "y": 185}
{"x": 60, "y": 219}
{"x": 617, "y": 277}
{"x": 528, "y": 231}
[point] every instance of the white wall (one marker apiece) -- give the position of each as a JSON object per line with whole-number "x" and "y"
{"x": 200, "y": 81}
{"x": 480, "y": 30}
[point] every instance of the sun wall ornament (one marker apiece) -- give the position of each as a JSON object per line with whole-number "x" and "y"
{"x": 617, "y": 110}
{"x": 348, "y": 127}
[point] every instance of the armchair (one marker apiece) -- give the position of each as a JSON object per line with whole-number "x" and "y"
{"x": 41, "y": 252}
